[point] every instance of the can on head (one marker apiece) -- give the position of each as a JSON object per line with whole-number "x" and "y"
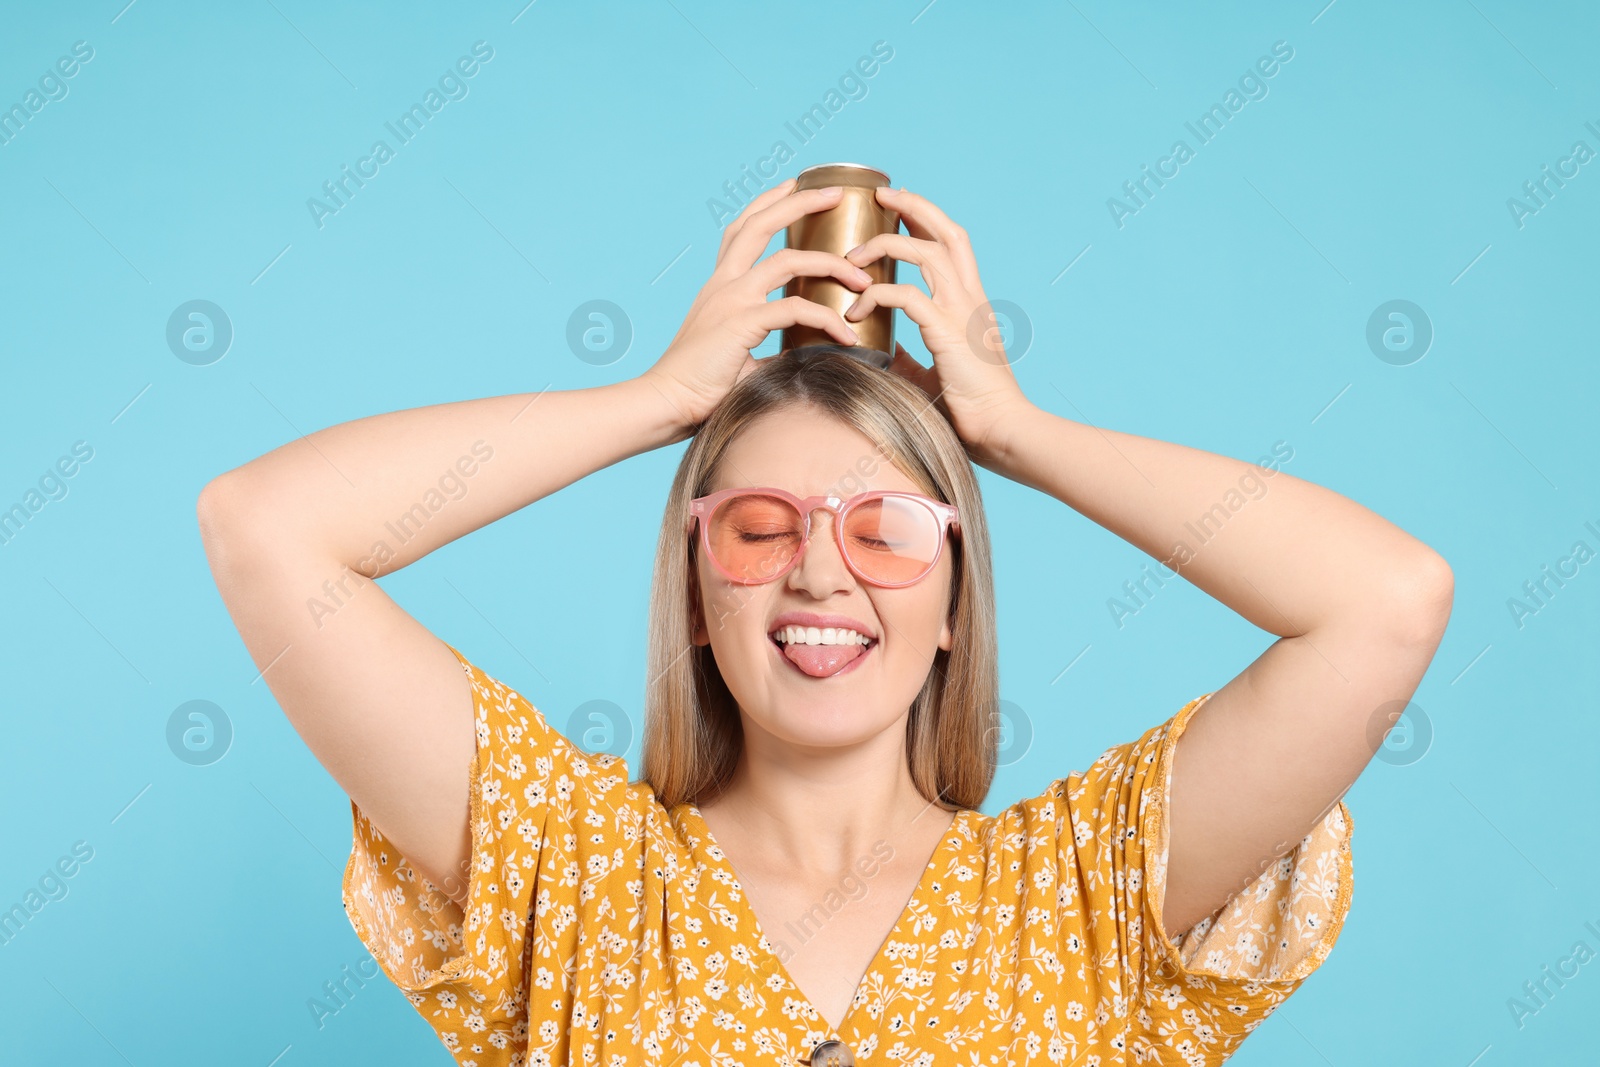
{"x": 855, "y": 218}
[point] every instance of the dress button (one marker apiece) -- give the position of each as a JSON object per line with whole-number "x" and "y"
{"x": 832, "y": 1054}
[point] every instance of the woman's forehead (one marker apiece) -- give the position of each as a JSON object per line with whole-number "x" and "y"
{"x": 809, "y": 455}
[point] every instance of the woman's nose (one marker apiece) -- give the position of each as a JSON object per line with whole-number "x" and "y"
{"x": 821, "y": 551}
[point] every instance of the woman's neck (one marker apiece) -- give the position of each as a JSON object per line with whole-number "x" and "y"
{"x": 816, "y": 816}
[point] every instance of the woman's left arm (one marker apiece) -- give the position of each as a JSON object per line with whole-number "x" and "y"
{"x": 1358, "y": 604}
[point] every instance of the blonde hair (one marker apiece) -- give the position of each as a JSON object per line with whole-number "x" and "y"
{"x": 692, "y": 733}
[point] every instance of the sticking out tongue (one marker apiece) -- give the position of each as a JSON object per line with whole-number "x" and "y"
{"x": 821, "y": 661}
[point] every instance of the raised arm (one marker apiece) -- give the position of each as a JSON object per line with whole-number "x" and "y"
{"x": 1359, "y": 605}
{"x": 295, "y": 537}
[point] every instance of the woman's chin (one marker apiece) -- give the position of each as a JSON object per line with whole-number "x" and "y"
{"x": 822, "y": 721}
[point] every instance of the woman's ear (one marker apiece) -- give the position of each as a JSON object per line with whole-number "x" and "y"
{"x": 698, "y": 633}
{"x": 947, "y": 632}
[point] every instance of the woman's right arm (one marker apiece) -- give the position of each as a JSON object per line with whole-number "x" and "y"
{"x": 293, "y": 539}
{"x": 295, "y": 536}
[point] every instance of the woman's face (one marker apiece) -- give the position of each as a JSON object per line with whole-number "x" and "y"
{"x": 810, "y": 453}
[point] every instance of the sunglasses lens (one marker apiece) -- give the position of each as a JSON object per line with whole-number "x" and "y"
{"x": 754, "y": 537}
{"x": 892, "y": 539}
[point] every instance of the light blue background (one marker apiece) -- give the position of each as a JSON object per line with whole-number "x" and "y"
{"x": 1228, "y": 314}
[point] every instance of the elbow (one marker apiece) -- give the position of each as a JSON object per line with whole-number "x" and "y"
{"x": 1421, "y": 599}
{"x": 211, "y": 515}
{"x": 218, "y": 499}
{"x": 224, "y": 511}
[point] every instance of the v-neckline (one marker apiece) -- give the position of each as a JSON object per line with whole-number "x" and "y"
{"x": 914, "y": 903}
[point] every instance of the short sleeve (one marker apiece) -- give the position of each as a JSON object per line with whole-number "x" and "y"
{"x": 466, "y": 970}
{"x": 1194, "y": 999}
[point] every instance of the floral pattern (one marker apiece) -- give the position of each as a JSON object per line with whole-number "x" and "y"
{"x": 603, "y": 929}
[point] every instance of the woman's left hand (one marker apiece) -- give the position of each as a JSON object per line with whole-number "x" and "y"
{"x": 970, "y": 380}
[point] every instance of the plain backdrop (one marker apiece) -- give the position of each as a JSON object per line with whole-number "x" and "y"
{"x": 583, "y": 162}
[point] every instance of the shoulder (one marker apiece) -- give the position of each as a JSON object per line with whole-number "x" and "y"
{"x": 1116, "y": 775}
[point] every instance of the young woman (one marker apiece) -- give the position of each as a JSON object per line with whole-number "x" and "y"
{"x": 800, "y": 874}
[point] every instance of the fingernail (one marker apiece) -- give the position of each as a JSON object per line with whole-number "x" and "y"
{"x": 854, "y": 337}
{"x": 854, "y": 250}
{"x": 888, "y": 190}
{"x": 833, "y": 190}
{"x": 852, "y": 309}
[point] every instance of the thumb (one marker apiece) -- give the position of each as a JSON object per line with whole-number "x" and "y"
{"x": 911, "y": 370}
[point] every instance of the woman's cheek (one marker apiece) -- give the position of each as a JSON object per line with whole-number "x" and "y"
{"x": 727, "y": 605}
{"x": 733, "y": 616}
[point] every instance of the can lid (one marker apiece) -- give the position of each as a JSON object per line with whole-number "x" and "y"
{"x": 855, "y": 166}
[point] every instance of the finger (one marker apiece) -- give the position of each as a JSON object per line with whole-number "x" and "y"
{"x": 887, "y": 218}
{"x": 786, "y": 264}
{"x": 753, "y": 237}
{"x": 761, "y": 201}
{"x": 908, "y": 298}
{"x": 925, "y": 220}
{"x": 920, "y": 213}
{"x": 907, "y": 362}
{"x": 798, "y": 311}
{"x": 931, "y": 258}
{"x": 746, "y": 370}
{"x": 912, "y": 371}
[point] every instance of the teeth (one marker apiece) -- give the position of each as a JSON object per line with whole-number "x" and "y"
{"x": 811, "y": 635}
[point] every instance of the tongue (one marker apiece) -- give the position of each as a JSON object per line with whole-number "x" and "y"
{"x": 821, "y": 661}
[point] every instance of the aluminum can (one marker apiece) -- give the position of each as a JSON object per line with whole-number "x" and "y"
{"x": 855, "y": 218}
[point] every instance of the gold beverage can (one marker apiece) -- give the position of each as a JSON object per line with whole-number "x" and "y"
{"x": 855, "y": 218}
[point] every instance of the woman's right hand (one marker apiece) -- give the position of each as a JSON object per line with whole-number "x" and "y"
{"x": 732, "y": 315}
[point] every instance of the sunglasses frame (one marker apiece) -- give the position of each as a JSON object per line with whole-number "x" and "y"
{"x": 702, "y": 508}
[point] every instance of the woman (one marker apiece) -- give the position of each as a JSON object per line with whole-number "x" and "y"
{"x": 800, "y": 875}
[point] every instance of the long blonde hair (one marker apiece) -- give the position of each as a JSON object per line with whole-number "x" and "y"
{"x": 692, "y": 733}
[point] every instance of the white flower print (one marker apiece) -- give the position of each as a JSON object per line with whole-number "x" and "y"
{"x": 591, "y": 907}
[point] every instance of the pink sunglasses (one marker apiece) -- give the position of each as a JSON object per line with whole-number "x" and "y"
{"x": 886, "y": 537}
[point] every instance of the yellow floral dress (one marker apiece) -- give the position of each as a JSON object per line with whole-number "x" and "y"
{"x": 603, "y": 929}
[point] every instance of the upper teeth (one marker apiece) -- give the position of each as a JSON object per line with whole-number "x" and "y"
{"x": 811, "y": 635}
